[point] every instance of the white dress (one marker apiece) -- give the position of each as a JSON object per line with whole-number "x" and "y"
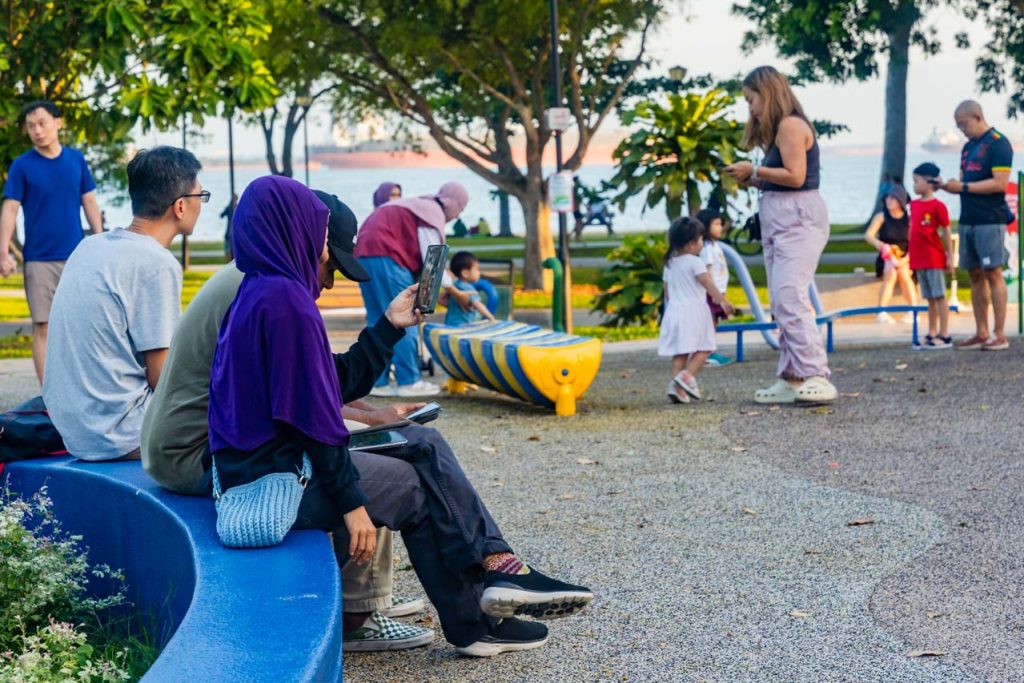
{"x": 687, "y": 326}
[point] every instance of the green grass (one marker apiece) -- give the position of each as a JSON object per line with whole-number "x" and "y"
{"x": 16, "y": 346}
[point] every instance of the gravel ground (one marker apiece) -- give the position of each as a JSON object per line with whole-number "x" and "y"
{"x": 941, "y": 432}
{"x": 716, "y": 535}
{"x": 709, "y": 563}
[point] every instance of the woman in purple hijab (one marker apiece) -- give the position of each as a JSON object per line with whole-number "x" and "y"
{"x": 386, "y": 192}
{"x": 275, "y": 394}
{"x": 274, "y": 391}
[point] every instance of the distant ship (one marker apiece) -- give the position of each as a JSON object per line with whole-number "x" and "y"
{"x": 949, "y": 140}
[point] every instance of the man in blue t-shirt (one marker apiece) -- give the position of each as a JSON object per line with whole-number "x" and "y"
{"x": 984, "y": 173}
{"x": 51, "y": 183}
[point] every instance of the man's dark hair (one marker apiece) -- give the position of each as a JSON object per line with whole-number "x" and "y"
{"x": 159, "y": 176}
{"x": 51, "y": 108}
{"x": 463, "y": 260}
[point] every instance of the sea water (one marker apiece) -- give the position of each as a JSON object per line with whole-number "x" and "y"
{"x": 849, "y": 181}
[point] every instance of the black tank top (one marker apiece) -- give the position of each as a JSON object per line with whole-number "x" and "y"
{"x": 773, "y": 159}
{"x": 895, "y": 231}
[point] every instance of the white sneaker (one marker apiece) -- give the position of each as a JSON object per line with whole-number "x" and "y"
{"x": 386, "y": 391}
{"x": 404, "y": 607}
{"x": 907, "y": 319}
{"x": 885, "y": 319}
{"x": 418, "y": 388}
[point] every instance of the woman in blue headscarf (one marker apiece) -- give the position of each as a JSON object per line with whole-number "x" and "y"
{"x": 275, "y": 395}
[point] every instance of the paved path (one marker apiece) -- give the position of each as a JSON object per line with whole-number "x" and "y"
{"x": 716, "y": 535}
{"x": 711, "y": 561}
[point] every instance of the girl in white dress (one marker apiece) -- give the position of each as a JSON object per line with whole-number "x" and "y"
{"x": 687, "y": 332}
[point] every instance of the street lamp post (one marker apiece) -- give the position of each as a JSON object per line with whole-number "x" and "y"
{"x": 305, "y": 101}
{"x": 231, "y": 182}
{"x": 185, "y": 255}
{"x": 563, "y": 237}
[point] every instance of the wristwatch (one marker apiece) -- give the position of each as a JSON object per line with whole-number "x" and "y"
{"x": 965, "y": 189}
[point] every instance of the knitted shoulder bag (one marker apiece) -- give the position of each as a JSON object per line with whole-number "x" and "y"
{"x": 259, "y": 514}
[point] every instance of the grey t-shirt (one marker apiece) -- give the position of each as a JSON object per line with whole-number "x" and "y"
{"x": 175, "y": 429}
{"x": 119, "y": 295}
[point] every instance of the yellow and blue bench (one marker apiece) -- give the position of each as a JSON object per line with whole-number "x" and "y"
{"x": 551, "y": 369}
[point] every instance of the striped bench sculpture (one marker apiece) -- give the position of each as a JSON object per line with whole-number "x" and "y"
{"x": 535, "y": 364}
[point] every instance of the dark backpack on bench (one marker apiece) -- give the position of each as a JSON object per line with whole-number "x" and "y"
{"x": 27, "y": 432}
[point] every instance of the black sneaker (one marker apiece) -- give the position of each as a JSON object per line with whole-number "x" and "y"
{"x": 508, "y": 635}
{"x": 532, "y": 594}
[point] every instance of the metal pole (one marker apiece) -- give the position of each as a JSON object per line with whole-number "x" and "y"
{"x": 231, "y": 181}
{"x": 1020, "y": 253}
{"x": 184, "y": 238}
{"x": 305, "y": 143}
{"x": 563, "y": 237}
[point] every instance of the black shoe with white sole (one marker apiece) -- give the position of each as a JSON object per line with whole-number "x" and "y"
{"x": 508, "y": 635}
{"x": 533, "y": 595}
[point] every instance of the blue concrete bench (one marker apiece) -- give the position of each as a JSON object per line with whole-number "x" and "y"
{"x": 270, "y": 615}
{"x": 828, "y": 320}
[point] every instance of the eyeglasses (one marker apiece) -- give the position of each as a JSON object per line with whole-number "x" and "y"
{"x": 203, "y": 196}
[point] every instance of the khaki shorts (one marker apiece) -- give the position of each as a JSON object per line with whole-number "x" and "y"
{"x": 41, "y": 278}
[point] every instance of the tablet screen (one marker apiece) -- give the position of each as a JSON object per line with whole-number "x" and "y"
{"x": 430, "y": 278}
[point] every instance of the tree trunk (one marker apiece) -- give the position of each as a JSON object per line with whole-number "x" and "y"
{"x": 539, "y": 245}
{"x": 287, "y": 167}
{"x": 504, "y": 220}
{"x": 894, "y": 152}
{"x": 268, "y": 139}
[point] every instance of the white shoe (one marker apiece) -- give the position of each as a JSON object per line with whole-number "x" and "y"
{"x": 907, "y": 319}
{"x": 816, "y": 390}
{"x": 885, "y": 319}
{"x": 418, "y": 388}
{"x": 386, "y": 391}
{"x": 780, "y": 392}
{"x": 404, "y": 607}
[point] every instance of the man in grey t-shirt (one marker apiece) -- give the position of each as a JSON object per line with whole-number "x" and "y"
{"x": 115, "y": 309}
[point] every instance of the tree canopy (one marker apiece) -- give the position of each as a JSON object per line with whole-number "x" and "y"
{"x": 476, "y": 75}
{"x": 110, "y": 64}
{"x": 836, "y": 40}
{"x": 1001, "y": 64}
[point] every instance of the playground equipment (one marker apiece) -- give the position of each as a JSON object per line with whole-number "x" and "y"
{"x": 538, "y": 365}
{"x": 765, "y": 326}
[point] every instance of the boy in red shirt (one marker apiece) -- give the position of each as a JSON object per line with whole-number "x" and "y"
{"x": 930, "y": 259}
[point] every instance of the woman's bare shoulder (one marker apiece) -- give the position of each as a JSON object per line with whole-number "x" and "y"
{"x": 795, "y": 126}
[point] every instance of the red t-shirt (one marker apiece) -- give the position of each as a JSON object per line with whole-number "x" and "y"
{"x": 927, "y": 249}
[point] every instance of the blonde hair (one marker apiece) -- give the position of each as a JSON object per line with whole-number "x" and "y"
{"x": 778, "y": 102}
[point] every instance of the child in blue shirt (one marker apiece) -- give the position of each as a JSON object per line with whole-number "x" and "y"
{"x": 466, "y": 268}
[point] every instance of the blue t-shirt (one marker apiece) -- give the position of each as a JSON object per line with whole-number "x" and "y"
{"x": 50, "y": 192}
{"x": 979, "y": 159}
{"x": 457, "y": 316}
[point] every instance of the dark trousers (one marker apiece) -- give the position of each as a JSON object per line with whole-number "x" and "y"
{"x": 421, "y": 491}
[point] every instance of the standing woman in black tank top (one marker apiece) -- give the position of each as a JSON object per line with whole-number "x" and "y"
{"x": 794, "y": 231}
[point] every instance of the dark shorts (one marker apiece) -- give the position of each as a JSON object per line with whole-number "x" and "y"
{"x": 717, "y": 312}
{"x": 982, "y": 246}
{"x": 933, "y": 283}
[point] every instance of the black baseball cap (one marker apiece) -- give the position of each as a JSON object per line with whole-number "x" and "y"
{"x": 927, "y": 170}
{"x": 341, "y": 237}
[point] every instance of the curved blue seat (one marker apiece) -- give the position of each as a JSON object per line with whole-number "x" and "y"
{"x": 271, "y": 614}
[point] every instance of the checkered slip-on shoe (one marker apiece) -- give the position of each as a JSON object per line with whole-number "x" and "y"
{"x": 403, "y": 607}
{"x": 381, "y": 633}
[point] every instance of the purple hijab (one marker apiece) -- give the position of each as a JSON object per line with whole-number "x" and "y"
{"x": 382, "y": 195}
{"x": 273, "y": 362}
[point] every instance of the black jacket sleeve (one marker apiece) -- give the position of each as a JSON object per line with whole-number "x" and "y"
{"x": 360, "y": 366}
{"x": 333, "y": 466}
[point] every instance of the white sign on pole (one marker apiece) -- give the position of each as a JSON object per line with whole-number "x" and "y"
{"x": 559, "y": 118}
{"x": 560, "y": 192}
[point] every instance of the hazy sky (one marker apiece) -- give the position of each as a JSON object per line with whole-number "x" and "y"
{"x": 706, "y": 38}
